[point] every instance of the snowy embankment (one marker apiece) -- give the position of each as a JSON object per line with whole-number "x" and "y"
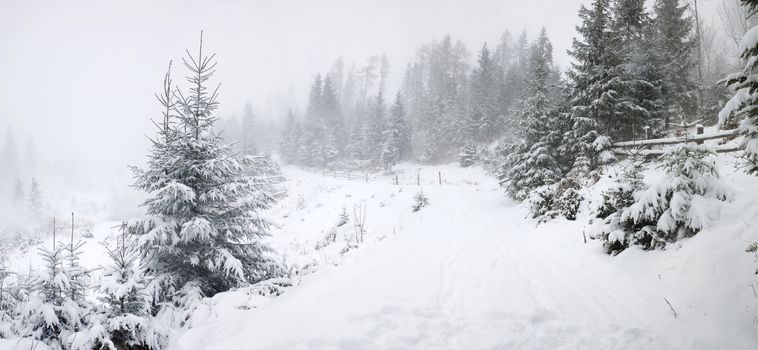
{"x": 470, "y": 271}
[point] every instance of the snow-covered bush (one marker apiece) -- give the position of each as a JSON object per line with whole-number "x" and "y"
{"x": 419, "y": 201}
{"x": 560, "y": 199}
{"x": 677, "y": 206}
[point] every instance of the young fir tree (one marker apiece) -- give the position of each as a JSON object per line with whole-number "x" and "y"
{"x": 680, "y": 204}
{"x": 125, "y": 319}
{"x": 467, "y": 156}
{"x": 8, "y": 301}
{"x": 745, "y": 85}
{"x": 202, "y": 233}
{"x": 51, "y": 315}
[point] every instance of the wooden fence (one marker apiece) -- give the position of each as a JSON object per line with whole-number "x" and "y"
{"x": 415, "y": 179}
{"x": 349, "y": 176}
{"x": 641, "y": 147}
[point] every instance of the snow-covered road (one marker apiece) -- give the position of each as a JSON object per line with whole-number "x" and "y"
{"x": 466, "y": 272}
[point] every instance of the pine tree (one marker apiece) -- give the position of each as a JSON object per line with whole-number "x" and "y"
{"x": 18, "y": 194}
{"x": 467, "y": 156}
{"x": 202, "y": 231}
{"x": 675, "y": 46}
{"x": 35, "y": 198}
{"x": 375, "y": 129}
{"x": 680, "y": 204}
{"x": 290, "y": 140}
{"x": 590, "y": 97}
{"x": 396, "y": 143}
{"x": 8, "y": 301}
{"x": 745, "y": 86}
{"x": 484, "y": 123}
{"x": 313, "y": 127}
{"x": 50, "y": 315}
{"x": 333, "y": 123}
{"x": 248, "y": 131}
{"x": 627, "y": 29}
{"x": 126, "y": 318}
{"x": 535, "y": 164}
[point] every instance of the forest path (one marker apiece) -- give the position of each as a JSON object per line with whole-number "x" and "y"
{"x": 466, "y": 272}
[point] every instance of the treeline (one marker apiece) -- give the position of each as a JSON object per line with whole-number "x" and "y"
{"x": 635, "y": 72}
{"x": 443, "y": 105}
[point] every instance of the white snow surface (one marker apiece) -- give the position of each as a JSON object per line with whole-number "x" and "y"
{"x": 471, "y": 271}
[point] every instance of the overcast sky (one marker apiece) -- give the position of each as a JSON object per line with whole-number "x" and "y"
{"x": 80, "y": 75}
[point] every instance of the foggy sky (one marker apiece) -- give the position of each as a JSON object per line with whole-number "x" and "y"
{"x": 80, "y": 75}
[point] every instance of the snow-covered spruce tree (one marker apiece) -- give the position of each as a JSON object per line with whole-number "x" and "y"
{"x": 18, "y": 195}
{"x": 125, "y": 320}
{"x": 8, "y": 301}
{"x": 375, "y": 129}
{"x": 636, "y": 102}
{"x": 534, "y": 165}
{"x": 677, "y": 206}
{"x": 467, "y": 156}
{"x": 675, "y": 48}
{"x": 35, "y": 199}
{"x": 485, "y": 122}
{"x": 396, "y": 142}
{"x": 247, "y": 143}
{"x": 745, "y": 85}
{"x": 334, "y": 122}
{"x": 590, "y": 97}
{"x": 50, "y": 315}
{"x": 289, "y": 141}
{"x": 201, "y": 235}
{"x": 314, "y": 131}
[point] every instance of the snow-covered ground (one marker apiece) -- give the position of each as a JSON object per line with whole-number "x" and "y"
{"x": 471, "y": 271}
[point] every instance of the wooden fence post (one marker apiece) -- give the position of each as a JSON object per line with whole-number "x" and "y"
{"x": 699, "y": 129}
{"x": 397, "y": 182}
{"x": 439, "y": 175}
{"x": 418, "y": 179}
{"x": 366, "y": 176}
